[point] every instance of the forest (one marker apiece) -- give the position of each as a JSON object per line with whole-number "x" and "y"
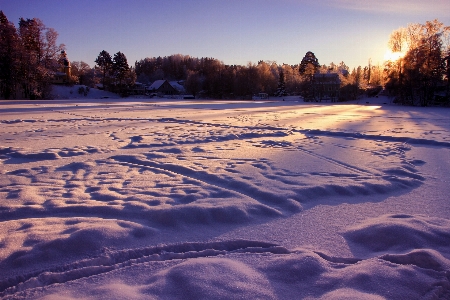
{"x": 30, "y": 57}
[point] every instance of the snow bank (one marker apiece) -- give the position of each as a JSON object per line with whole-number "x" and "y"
{"x": 80, "y": 92}
{"x": 302, "y": 274}
{"x": 400, "y": 232}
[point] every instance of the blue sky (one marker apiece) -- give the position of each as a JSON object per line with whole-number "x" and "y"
{"x": 233, "y": 31}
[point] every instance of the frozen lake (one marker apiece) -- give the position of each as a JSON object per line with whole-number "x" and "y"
{"x": 178, "y": 199}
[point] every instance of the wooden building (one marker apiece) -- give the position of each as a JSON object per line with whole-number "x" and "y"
{"x": 162, "y": 87}
{"x": 326, "y": 86}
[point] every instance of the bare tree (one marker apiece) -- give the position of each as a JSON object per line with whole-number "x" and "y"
{"x": 414, "y": 78}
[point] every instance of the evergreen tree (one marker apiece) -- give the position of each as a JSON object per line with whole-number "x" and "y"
{"x": 368, "y": 72}
{"x": 120, "y": 66}
{"x": 309, "y": 65}
{"x": 447, "y": 74}
{"x": 29, "y": 30}
{"x": 105, "y": 62}
{"x": 9, "y": 50}
{"x": 281, "y": 90}
{"x": 121, "y": 70}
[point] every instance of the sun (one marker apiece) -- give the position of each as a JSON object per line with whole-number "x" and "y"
{"x": 393, "y": 56}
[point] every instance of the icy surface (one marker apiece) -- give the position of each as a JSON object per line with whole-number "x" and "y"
{"x": 176, "y": 199}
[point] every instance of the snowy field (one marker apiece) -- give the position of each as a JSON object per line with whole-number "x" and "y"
{"x": 181, "y": 199}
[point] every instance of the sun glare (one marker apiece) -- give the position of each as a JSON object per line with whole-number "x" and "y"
{"x": 393, "y": 56}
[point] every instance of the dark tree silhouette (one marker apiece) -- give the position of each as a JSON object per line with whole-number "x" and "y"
{"x": 121, "y": 70}
{"x": 281, "y": 90}
{"x": 104, "y": 61}
{"x": 9, "y": 49}
{"x": 308, "y": 67}
{"x": 193, "y": 83}
{"x": 417, "y": 78}
{"x": 309, "y": 64}
{"x": 120, "y": 66}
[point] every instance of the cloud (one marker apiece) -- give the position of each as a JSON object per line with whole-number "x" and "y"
{"x": 389, "y": 6}
{"x": 399, "y": 7}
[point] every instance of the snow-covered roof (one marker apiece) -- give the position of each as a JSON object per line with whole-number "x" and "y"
{"x": 156, "y": 85}
{"x": 330, "y": 75}
{"x": 331, "y": 78}
{"x": 177, "y": 86}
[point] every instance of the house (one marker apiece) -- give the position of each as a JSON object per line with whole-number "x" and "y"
{"x": 179, "y": 86}
{"x": 262, "y": 96}
{"x": 326, "y": 86}
{"x": 60, "y": 78}
{"x": 162, "y": 87}
{"x": 137, "y": 89}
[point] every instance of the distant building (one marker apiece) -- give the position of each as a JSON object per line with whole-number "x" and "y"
{"x": 179, "y": 86}
{"x": 62, "y": 76}
{"x": 137, "y": 89}
{"x": 162, "y": 87}
{"x": 262, "y": 96}
{"x": 326, "y": 86}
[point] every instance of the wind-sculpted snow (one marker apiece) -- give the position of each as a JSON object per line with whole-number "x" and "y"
{"x": 171, "y": 200}
{"x": 213, "y": 182}
{"x": 236, "y": 270}
{"x": 386, "y": 138}
{"x": 114, "y": 260}
{"x": 400, "y": 233}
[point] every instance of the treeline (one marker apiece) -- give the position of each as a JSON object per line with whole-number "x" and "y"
{"x": 110, "y": 73}
{"x": 31, "y": 61}
{"x": 209, "y": 77}
{"x": 420, "y": 76}
{"x": 28, "y": 58}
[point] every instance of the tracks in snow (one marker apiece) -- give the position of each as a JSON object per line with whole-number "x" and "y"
{"x": 114, "y": 260}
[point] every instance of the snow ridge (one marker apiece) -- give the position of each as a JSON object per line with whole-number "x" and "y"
{"x": 113, "y": 260}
